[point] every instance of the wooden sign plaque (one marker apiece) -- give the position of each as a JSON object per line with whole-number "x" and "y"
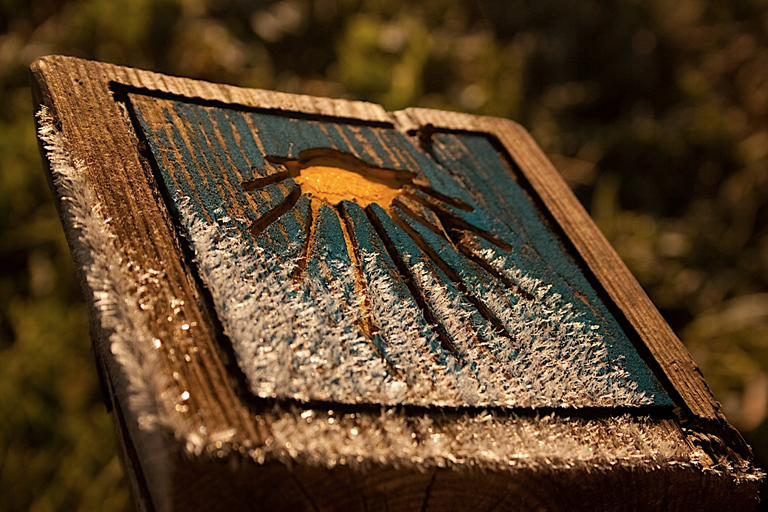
{"x": 311, "y": 304}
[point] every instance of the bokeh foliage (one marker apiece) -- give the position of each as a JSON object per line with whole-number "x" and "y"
{"x": 655, "y": 112}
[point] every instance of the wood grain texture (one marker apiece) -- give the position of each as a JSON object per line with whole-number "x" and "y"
{"x": 196, "y": 438}
{"x": 597, "y": 253}
{"x": 78, "y": 92}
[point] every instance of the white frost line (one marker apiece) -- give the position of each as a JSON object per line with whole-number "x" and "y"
{"x": 483, "y": 384}
{"x": 482, "y": 440}
{"x": 115, "y": 284}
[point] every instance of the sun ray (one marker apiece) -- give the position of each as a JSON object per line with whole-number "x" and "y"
{"x": 331, "y": 178}
{"x": 276, "y": 212}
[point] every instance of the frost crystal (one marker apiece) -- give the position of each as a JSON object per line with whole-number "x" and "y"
{"x": 301, "y": 340}
{"x": 117, "y": 286}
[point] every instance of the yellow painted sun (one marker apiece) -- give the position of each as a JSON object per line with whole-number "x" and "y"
{"x": 335, "y": 177}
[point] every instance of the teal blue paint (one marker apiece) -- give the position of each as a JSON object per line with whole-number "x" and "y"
{"x": 413, "y": 255}
{"x": 477, "y": 170}
{"x": 296, "y": 221}
{"x": 404, "y": 245}
{"x": 489, "y": 177}
{"x": 249, "y": 147}
{"x": 361, "y": 149}
{"x": 204, "y": 153}
{"x": 475, "y": 218}
{"x": 356, "y": 221}
{"x": 466, "y": 271}
{"x": 336, "y": 135}
{"x": 203, "y": 183}
{"x": 275, "y": 196}
{"x": 287, "y": 246}
{"x": 269, "y": 138}
{"x": 157, "y": 140}
{"x": 370, "y": 135}
{"x": 512, "y": 260}
{"x": 329, "y": 267}
{"x": 398, "y": 154}
{"x": 484, "y": 168}
{"x": 367, "y": 240}
{"x": 209, "y": 202}
{"x": 343, "y": 140}
{"x": 204, "y": 150}
{"x": 223, "y": 126}
{"x": 308, "y": 135}
{"x": 456, "y": 262}
{"x": 357, "y": 147}
{"x": 221, "y": 156}
{"x": 287, "y": 138}
{"x": 185, "y": 186}
{"x": 509, "y": 203}
{"x": 438, "y": 178}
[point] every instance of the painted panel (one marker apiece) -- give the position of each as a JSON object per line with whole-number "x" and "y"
{"x": 348, "y": 264}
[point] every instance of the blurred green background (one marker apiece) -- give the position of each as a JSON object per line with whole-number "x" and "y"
{"x": 655, "y": 112}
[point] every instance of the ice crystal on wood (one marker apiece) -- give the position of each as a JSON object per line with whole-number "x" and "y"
{"x": 436, "y": 298}
{"x": 117, "y": 287}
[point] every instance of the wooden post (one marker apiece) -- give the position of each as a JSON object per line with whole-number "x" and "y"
{"x": 311, "y": 304}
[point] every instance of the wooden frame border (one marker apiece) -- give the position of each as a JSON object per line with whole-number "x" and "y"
{"x": 79, "y": 95}
{"x": 600, "y": 258}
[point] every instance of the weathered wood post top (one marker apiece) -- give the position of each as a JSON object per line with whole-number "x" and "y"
{"x": 311, "y": 304}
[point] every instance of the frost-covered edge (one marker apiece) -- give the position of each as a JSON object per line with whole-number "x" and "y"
{"x": 115, "y": 284}
{"x": 319, "y": 436}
